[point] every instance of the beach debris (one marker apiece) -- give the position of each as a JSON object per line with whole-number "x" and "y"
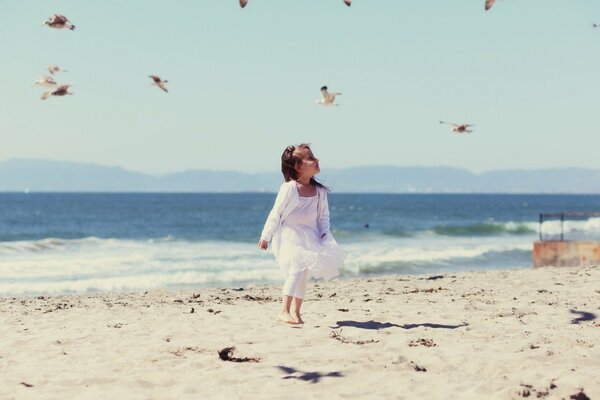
{"x": 343, "y": 309}
{"x": 489, "y": 4}
{"x": 338, "y": 336}
{"x": 191, "y": 311}
{"x": 62, "y": 90}
{"x": 45, "y": 81}
{"x": 433, "y": 278}
{"x": 257, "y": 298}
{"x": 58, "y": 21}
{"x": 177, "y": 301}
{"x": 215, "y": 312}
{"x": 530, "y": 390}
{"x": 458, "y": 128}
{"x": 238, "y": 289}
{"x": 417, "y": 367}
{"x": 333, "y": 295}
{"x": 579, "y": 396}
{"x": 26, "y": 384}
{"x": 430, "y": 290}
{"x": 226, "y": 354}
{"x": 118, "y": 325}
{"x": 328, "y": 98}
{"x": 54, "y": 69}
{"x": 159, "y": 82}
{"x": 422, "y": 342}
{"x": 195, "y": 296}
{"x": 180, "y": 352}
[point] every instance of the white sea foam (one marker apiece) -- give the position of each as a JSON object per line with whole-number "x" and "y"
{"x": 93, "y": 264}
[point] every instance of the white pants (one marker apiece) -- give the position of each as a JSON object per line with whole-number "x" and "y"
{"x": 295, "y": 284}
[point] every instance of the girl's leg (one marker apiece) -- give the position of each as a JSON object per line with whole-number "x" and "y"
{"x": 289, "y": 290}
{"x": 298, "y": 296}
{"x": 284, "y": 314}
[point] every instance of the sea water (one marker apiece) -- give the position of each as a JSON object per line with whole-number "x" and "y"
{"x": 56, "y": 243}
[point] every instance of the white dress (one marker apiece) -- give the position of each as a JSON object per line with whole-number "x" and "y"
{"x": 301, "y": 247}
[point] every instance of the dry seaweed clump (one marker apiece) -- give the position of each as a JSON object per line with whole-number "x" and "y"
{"x": 226, "y": 354}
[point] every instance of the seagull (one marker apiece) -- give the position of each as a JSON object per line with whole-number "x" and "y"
{"x": 55, "y": 68}
{"x": 62, "y": 90}
{"x": 328, "y": 98}
{"x": 456, "y": 128}
{"x": 489, "y": 4}
{"x": 348, "y": 2}
{"x": 58, "y": 21}
{"x": 45, "y": 81}
{"x": 159, "y": 82}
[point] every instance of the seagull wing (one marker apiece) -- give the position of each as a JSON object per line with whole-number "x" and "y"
{"x": 46, "y": 95}
{"x": 155, "y": 78}
{"x": 449, "y": 123}
{"x": 348, "y": 2}
{"x": 489, "y": 4}
{"x": 243, "y": 3}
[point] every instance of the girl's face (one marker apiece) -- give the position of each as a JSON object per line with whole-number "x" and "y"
{"x": 310, "y": 164}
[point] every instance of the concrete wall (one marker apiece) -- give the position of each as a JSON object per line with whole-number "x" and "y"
{"x": 565, "y": 253}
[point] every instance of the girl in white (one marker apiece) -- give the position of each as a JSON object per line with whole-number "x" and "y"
{"x": 299, "y": 226}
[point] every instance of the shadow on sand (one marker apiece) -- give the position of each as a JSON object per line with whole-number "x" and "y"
{"x": 585, "y": 316}
{"x": 375, "y": 325}
{"x": 312, "y": 377}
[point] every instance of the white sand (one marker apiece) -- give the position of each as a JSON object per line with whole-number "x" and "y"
{"x": 496, "y": 335}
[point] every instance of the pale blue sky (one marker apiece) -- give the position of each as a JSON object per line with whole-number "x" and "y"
{"x": 243, "y": 83}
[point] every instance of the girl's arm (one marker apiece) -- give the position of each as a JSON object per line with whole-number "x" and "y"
{"x": 323, "y": 223}
{"x": 275, "y": 215}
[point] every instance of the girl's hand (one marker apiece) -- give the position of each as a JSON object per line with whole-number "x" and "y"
{"x": 263, "y": 245}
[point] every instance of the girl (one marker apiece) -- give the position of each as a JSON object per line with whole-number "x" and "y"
{"x": 299, "y": 227}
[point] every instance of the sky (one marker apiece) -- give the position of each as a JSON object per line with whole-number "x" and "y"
{"x": 243, "y": 83}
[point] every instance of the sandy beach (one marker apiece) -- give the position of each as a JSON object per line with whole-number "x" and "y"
{"x": 479, "y": 335}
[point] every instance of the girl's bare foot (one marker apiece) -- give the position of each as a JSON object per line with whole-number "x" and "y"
{"x": 298, "y": 319}
{"x": 287, "y": 318}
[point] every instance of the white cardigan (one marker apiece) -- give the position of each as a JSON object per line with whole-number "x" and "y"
{"x": 287, "y": 200}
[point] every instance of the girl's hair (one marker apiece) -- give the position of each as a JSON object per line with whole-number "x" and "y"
{"x": 290, "y": 159}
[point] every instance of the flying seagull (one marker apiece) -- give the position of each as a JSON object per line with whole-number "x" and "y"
{"x": 456, "y": 128}
{"x": 45, "y": 81}
{"x": 489, "y": 4}
{"x": 243, "y": 3}
{"x": 596, "y": 25}
{"x": 328, "y": 98}
{"x": 62, "y": 90}
{"x": 159, "y": 82}
{"x": 55, "y": 69}
{"x": 58, "y": 21}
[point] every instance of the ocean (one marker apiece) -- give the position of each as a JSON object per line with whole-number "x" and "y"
{"x": 61, "y": 243}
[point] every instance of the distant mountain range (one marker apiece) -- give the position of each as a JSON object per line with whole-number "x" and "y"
{"x": 20, "y": 175}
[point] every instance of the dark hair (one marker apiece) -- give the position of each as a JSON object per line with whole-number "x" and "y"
{"x": 290, "y": 160}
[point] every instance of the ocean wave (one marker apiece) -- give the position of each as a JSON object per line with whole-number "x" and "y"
{"x": 409, "y": 259}
{"x": 487, "y": 229}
